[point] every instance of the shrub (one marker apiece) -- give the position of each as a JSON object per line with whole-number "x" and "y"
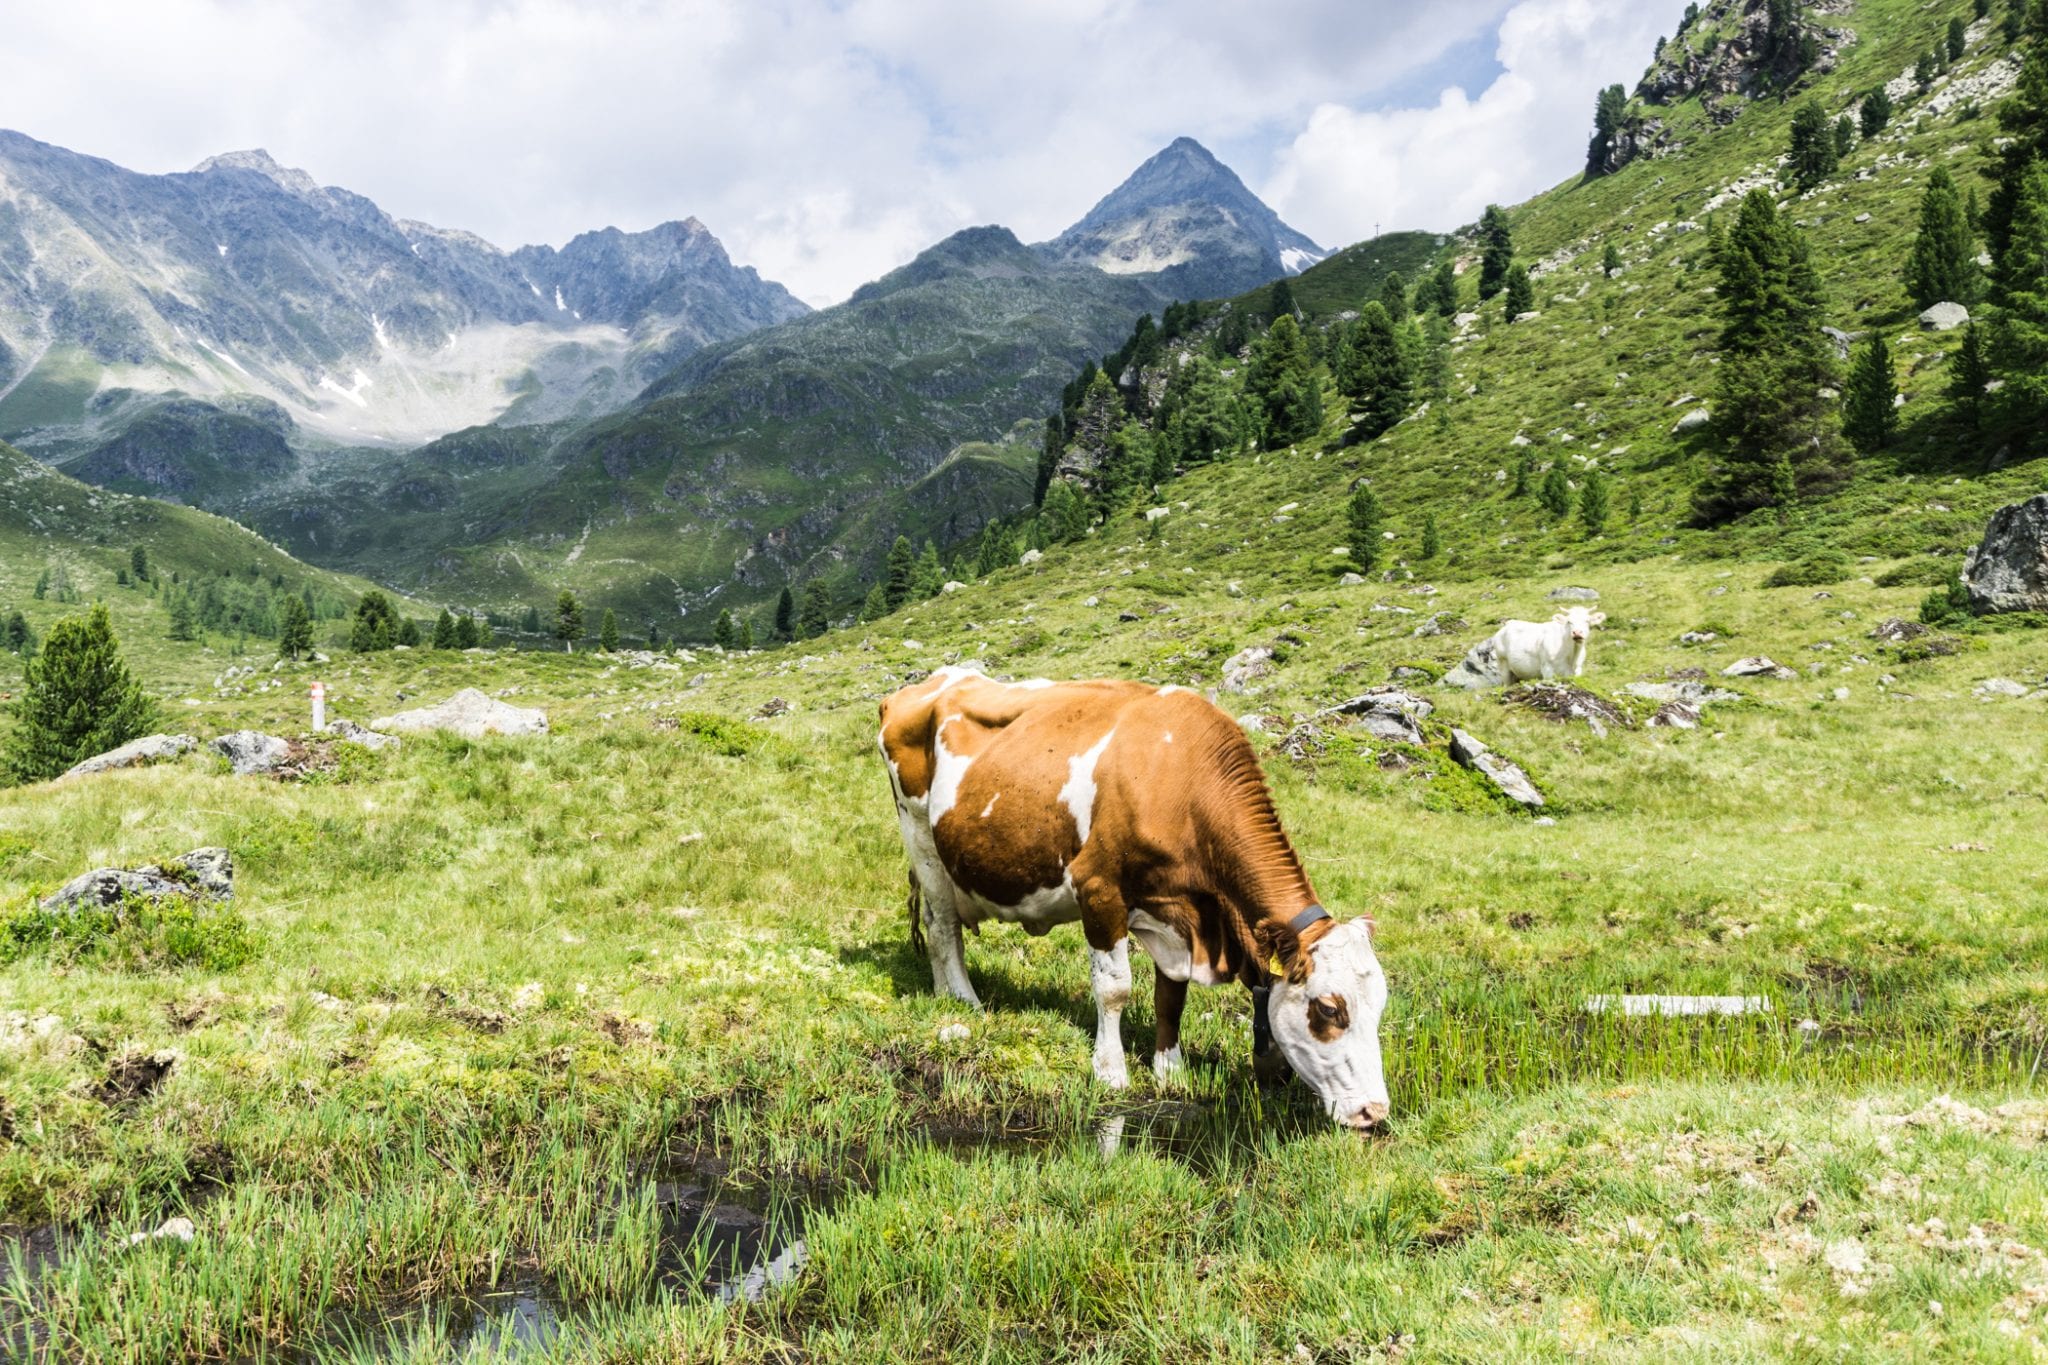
{"x": 1926, "y": 571}
{"x": 1946, "y": 606}
{"x": 1820, "y": 567}
{"x": 135, "y": 934}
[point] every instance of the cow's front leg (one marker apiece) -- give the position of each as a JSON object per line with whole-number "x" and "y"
{"x": 1110, "y": 974}
{"x": 1169, "y": 998}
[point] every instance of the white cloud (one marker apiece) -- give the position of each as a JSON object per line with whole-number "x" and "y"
{"x": 1439, "y": 166}
{"x": 823, "y": 142}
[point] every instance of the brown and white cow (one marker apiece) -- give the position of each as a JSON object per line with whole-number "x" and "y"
{"x": 1141, "y": 812}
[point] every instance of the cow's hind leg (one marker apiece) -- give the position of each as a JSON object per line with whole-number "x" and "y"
{"x": 932, "y": 902}
{"x": 1169, "y": 998}
{"x": 1110, "y": 974}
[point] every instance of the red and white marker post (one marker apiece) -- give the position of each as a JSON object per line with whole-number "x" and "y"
{"x": 319, "y": 707}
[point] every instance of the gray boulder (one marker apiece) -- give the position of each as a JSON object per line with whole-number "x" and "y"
{"x": 1944, "y": 317}
{"x": 2008, "y": 571}
{"x": 136, "y": 753}
{"x": 1513, "y": 782}
{"x": 1757, "y": 666}
{"x": 1684, "y": 692}
{"x": 468, "y": 713}
{"x": 1676, "y": 715}
{"x": 251, "y": 752}
{"x": 1692, "y": 421}
{"x": 1478, "y": 670}
{"x": 353, "y": 733}
{"x": 1575, "y": 594}
{"x": 1246, "y": 667}
{"x": 204, "y": 874}
{"x": 1391, "y": 714}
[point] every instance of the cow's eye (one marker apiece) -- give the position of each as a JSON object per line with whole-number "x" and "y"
{"x": 1328, "y": 1016}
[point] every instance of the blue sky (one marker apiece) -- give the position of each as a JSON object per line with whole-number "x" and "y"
{"x": 827, "y": 143}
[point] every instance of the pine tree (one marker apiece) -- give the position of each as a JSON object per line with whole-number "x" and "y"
{"x": 408, "y": 633}
{"x": 1374, "y": 372}
{"x": 608, "y": 631}
{"x": 120, "y": 576}
{"x": 1051, "y": 446}
{"x": 2019, "y": 321}
{"x": 816, "y": 617}
{"x": 42, "y": 585}
{"x": 1925, "y": 70}
{"x": 1281, "y": 382}
{"x": 1845, "y": 137}
{"x": 1943, "y": 268}
{"x": 1280, "y": 301}
{"x": 138, "y": 563}
{"x": 17, "y": 637}
{"x": 1447, "y": 288}
{"x": 1813, "y": 146}
{"x": 294, "y": 628}
{"x": 1610, "y": 260}
{"x": 375, "y": 626}
{"x": 745, "y": 640}
{"x": 1594, "y": 502}
{"x": 898, "y": 567}
{"x": 1497, "y": 251}
{"x": 927, "y": 576}
{"x": 1394, "y": 296}
{"x": 1556, "y": 493}
{"x": 876, "y": 605}
{"x": 1365, "y": 517}
{"x": 1958, "y": 39}
{"x": 1432, "y": 539}
{"x": 1610, "y": 112}
{"x": 529, "y": 624}
{"x": 78, "y": 699}
{"x": 184, "y": 620}
{"x": 466, "y": 632}
{"x": 444, "y": 630}
{"x": 722, "y": 633}
{"x": 1875, "y": 113}
{"x": 1774, "y": 428}
{"x": 785, "y": 614}
{"x": 1968, "y": 376}
{"x": 1521, "y": 294}
{"x": 1870, "y": 417}
{"x": 568, "y": 620}
{"x": 1525, "y": 470}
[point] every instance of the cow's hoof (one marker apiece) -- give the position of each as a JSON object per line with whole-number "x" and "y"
{"x": 1169, "y": 1068}
{"x": 1113, "y": 1077}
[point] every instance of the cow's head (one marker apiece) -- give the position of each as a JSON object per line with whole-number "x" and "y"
{"x": 1579, "y": 622}
{"x": 1324, "y": 1008}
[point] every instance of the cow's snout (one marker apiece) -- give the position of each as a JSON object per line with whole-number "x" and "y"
{"x": 1368, "y": 1118}
{"x": 1579, "y": 635}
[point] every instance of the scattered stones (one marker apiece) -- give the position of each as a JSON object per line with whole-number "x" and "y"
{"x": 774, "y": 706}
{"x": 251, "y": 752}
{"x": 1512, "y": 781}
{"x": 350, "y": 732}
{"x": 2008, "y": 571}
{"x": 1692, "y": 421}
{"x": 471, "y": 714}
{"x": 1944, "y": 317}
{"x": 1563, "y": 703}
{"x": 1441, "y": 623}
{"x": 1698, "y": 637}
{"x": 136, "y": 753}
{"x": 1757, "y": 666}
{"x": 204, "y": 874}
{"x": 1894, "y": 631}
{"x": 2000, "y": 687}
{"x": 1391, "y": 714}
{"x": 1690, "y": 692}
{"x": 1574, "y": 595}
{"x": 1246, "y": 667}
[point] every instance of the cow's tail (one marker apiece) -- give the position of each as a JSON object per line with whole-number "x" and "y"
{"x": 915, "y": 904}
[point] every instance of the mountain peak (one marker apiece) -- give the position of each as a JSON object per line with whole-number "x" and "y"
{"x": 1186, "y": 215}
{"x": 262, "y": 163}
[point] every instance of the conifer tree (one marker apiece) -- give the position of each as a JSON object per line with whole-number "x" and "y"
{"x": 1432, "y": 539}
{"x": 294, "y": 628}
{"x": 1958, "y": 39}
{"x": 1775, "y": 431}
{"x": 1366, "y": 518}
{"x": 785, "y": 614}
{"x": 1968, "y": 375}
{"x": 1446, "y": 288}
{"x": 138, "y": 563}
{"x": 745, "y": 639}
{"x": 1870, "y": 416}
{"x": 1497, "y": 251}
{"x": 722, "y": 633}
{"x": 1943, "y": 268}
{"x": 1845, "y": 137}
{"x": 467, "y": 632}
{"x": 816, "y": 617}
{"x": 1521, "y": 294}
{"x": 1282, "y": 383}
{"x": 1875, "y": 113}
{"x": 1813, "y": 146}
{"x": 185, "y": 621}
{"x": 18, "y": 636}
{"x": 1373, "y": 369}
{"x": 1281, "y": 300}
{"x": 1925, "y": 70}
{"x": 1610, "y": 112}
{"x": 444, "y": 630}
{"x": 375, "y": 626}
{"x": 927, "y": 576}
{"x": 1394, "y": 296}
{"x": 1610, "y": 260}
{"x": 568, "y": 620}
{"x": 1525, "y": 471}
{"x": 876, "y": 605}
{"x": 1556, "y": 493}
{"x": 408, "y": 633}
{"x": 898, "y": 567}
{"x": 2019, "y": 322}
{"x": 1594, "y": 502}
{"x": 608, "y": 631}
{"x": 42, "y": 589}
{"x": 78, "y": 699}
{"x": 530, "y": 622}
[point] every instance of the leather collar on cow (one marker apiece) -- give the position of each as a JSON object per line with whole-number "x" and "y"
{"x": 1307, "y": 917}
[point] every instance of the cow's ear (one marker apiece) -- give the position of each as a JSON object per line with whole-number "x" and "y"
{"x": 1279, "y": 943}
{"x": 1597, "y": 617}
{"x": 1562, "y": 616}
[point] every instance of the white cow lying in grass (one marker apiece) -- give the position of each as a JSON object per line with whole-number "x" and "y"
{"x": 1528, "y": 649}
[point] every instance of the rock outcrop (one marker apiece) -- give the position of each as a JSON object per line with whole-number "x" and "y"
{"x": 2008, "y": 571}
{"x": 1391, "y": 714}
{"x": 136, "y": 753}
{"x": 204, "y": 874}
{"x": 251, "y": 752}
{"x": 468, "y": 713}
{"x": 1512, "y": 781}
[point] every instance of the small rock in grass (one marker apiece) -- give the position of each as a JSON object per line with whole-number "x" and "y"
{"x": 954, "y": 1033}
{"x": 172, "y": 1229}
